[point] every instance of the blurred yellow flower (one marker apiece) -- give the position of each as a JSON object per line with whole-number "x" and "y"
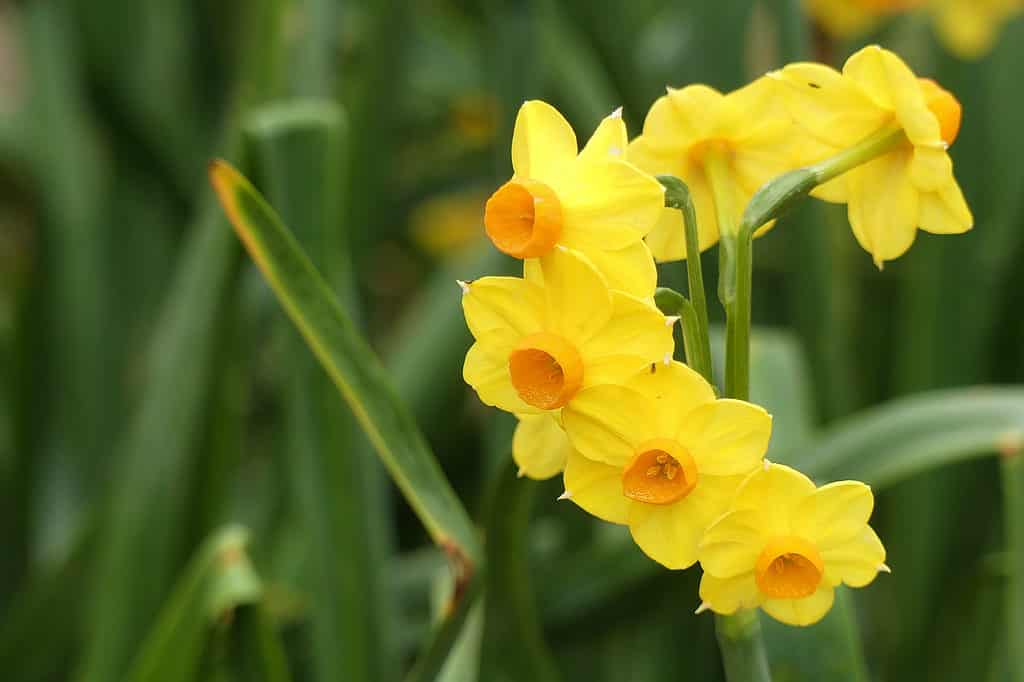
{"x": 543, "y": 338}
{"x": 724, "y": 147}
{"x": 539, "y": 446}
{"x": 784, "y": 545}
{"x": 911, "y": 185}
{"x": 967, "y": 27}
{"x": 970, "y": 27}
{"x": 594, "y": 201}
{"x": 448, "y": 223}
{"x": 661, "y": 454}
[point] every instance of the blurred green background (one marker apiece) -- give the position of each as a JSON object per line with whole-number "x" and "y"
{"x": 184, "y": 496}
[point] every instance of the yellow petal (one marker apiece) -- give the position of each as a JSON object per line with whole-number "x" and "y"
{"x": 884, "y": 206}
{"x": 731, "y": 545}
{"x": 540, "y": 446}
{"x": 634, "y": 327}
{"x": 543, "y": 143}
{"x": 606, "y": 423}
{"x": 674, "y": 389}
{"x": 855, "y": 562}
{"x": 668, "y": 238}
{"x": 728, "y": 595}
{"x": 945, "y": 211}
{"x": 666, "y": 533}
{"x": 596, "y": 488}
{"x": 725, "y": 437}
{"x": 504, "y": 309}
{"x": 835, "y": 191}
{"x": 489, "y": 377}
{"x": 891, "y": 84}
{"x": 805, "y": 611}
{"x": 829, "y": 106}
{"x": 577, "y": 299}
{"x": 930, "y": 169}
{"x": 696, "y": 112}
{"x": 834, "y": 513}
{"x": 608, "y": 204}
{"x": 774, "y": 491}
{"x": 630, "y": 270}
{"x": 609, "y": 141}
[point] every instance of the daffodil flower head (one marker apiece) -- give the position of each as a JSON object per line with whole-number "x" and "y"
{"x": 660, "y": 454}
{"x": 724, "y": 147}
{"x": 592, "y": 201}
{"x": 784, "y": 546}
{"x": 910, "y": 186}
{"x": 543, "y": 338}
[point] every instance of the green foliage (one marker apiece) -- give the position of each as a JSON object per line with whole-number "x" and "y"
{"x": 154, "y": 401}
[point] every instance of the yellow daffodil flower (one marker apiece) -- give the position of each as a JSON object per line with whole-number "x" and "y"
{"x": 594, "y": 201}
{"x": 969, "y": 27}
{"x": 724, "y": 147}
{"x": 785, "y": 545}
{"x": 541, "y": 339}
{"x": 539, "y": 446}
{"x": 909, "y": 186}
{"x": 662, "y": 455}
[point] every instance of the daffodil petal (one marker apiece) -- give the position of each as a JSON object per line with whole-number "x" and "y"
{"x": 630, "y": 270}
{"x": 634, "y": 326}
{"x": 606, "y": 423}
{"x": 834, "y": 513}
{"x": 930, "y": 169}
{"x": 774, "y": 491}
{"x": 597, "y": 488}
{"x": 674, "y": 389}
{"x": 608, "y": 205}
{"x": 489, "y": 377}
{"x": 728, "y": 595}
{"x": 667, "y": 240}
{"x": 614, "y": 369}
{"x": 805, "y": 611}
{"x": 725, "y": 437}
{"x": 891, "y": 83}
{"x": 543, "y": 142}
{"x": 609, "y": 141}
{"x": 827, "y": 105}
{"x": 835, "y": 191}
{"x": 666, "y": 533}
{"x": 504, "y": 309}
{"x": 731, "y": 545}
{"x": 540, "y": 446}
{"x": 855, "y": 562}
{"x": 884, "y": 206}
{"x": 696, "y": 110}
{"x": 577, "y": 299}
{"x": 945, "y": 211}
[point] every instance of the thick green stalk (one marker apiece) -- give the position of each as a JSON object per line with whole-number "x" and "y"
{"x": 742, "y": 646}
{"x": 695, "y": 318}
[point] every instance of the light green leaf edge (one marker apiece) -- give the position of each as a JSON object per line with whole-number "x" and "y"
{"x": 351, "y": 364}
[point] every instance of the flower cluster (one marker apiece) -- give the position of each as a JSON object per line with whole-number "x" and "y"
{"x": 577, "y": 349}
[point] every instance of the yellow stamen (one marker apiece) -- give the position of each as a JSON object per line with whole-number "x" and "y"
{"x": 546, "y": 370}
{"x": 945, "y": 106}
{"x": 661, "y": 472}
{"x": 523, "y": 218}
{"x": 788, "y": 568}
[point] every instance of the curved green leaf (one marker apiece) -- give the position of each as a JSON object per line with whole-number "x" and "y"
{"x": 349, "y": 361}
{"x": 890, "y": 443}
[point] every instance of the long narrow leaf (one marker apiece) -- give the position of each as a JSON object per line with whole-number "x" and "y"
{"x": 349, "y": 361}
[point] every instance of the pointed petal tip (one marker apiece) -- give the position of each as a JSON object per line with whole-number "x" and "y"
{"x": 704, "y": 606}
{"x": 671, "y": 320}
{"x": 667, "y": 359}
{"x": 565, "y": 496}
{"x": 884, "y": 568}
{"x": 616, "y": 114}
{"x": 463, "y": 285}
{"x": 520, "y": 472}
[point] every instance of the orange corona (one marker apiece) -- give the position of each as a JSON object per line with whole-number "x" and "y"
{"x": 945, "y": 106}
{"x": 546, "y": 370}
{"x": 523, "y": 218}
{"x": 661, "y": 472}
{"x": 788, "y": 568}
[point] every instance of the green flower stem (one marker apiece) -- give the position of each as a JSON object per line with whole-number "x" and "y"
{"x": 742, "y": 646}
{"x": 695, "y": 336}
{"x": 695, "y": 316}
